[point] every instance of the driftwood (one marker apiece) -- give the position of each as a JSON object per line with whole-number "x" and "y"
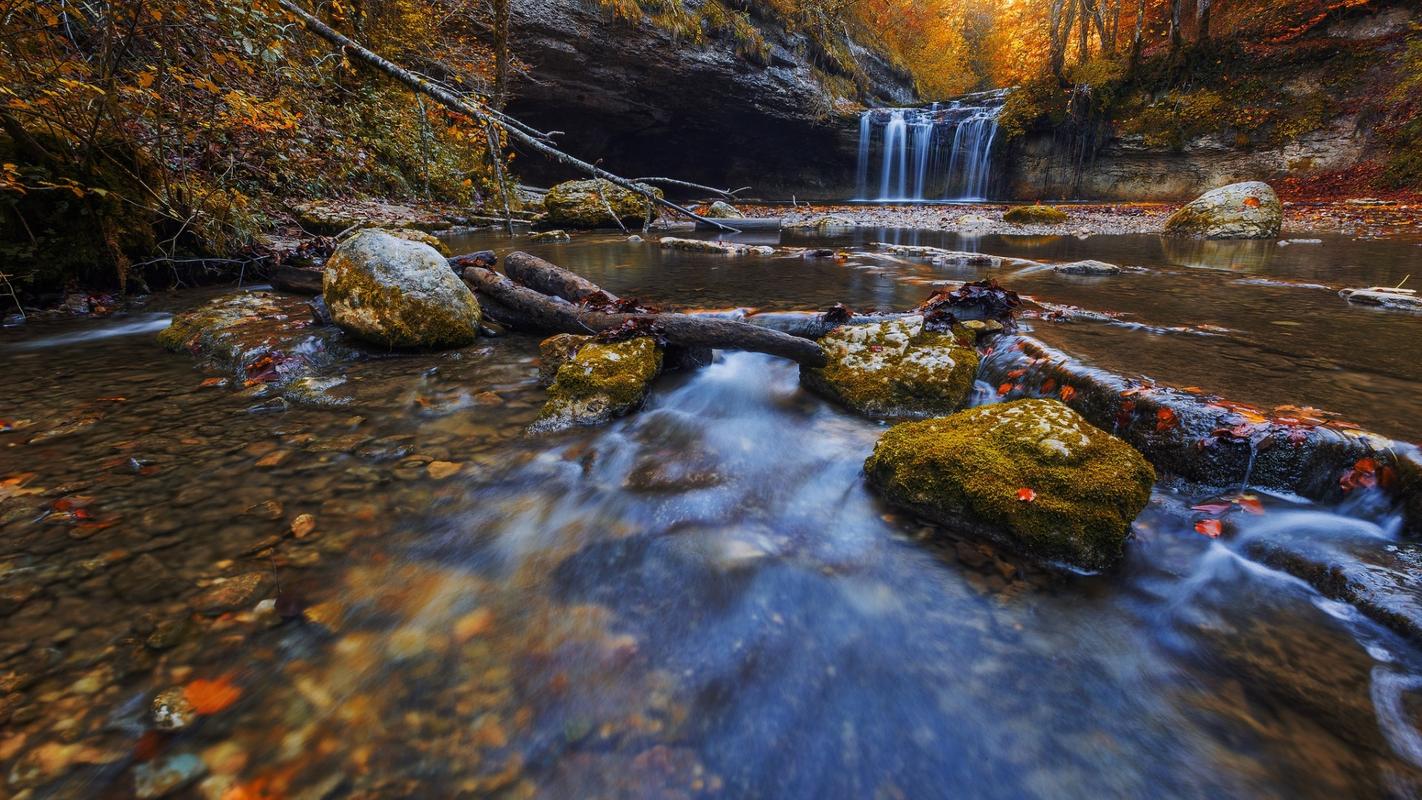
{"x": 522, "y": 308}
{"x": 515, "y": 129}
{"x": 551, "y": 279}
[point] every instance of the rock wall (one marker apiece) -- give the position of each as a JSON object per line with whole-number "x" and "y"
{"x": 1040, "y": 166}
{"x": 649, "y": 104}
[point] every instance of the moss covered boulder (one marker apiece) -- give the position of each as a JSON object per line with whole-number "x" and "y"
{"x": 1239, "y": 211}
{"x": 398, "y": 293}
{"x": 1032, "y": 475}
{"x": 894, "y": 369}
{"x": 602, "y": 381}
{"x": 723, "y": 210}
{"x": 555, "y": 351}
{"x": 1035, "y": 215}
{"x": 580, "y": 204}
{"x": 413, "y": 235}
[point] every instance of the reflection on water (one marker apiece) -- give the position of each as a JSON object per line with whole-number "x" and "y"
{"x": 699, "y": 600}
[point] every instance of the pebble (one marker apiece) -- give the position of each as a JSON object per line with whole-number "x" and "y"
{"x": 166, "y": 775}
{"x": 233, "y": 593}
{"x": 171, "y": 710}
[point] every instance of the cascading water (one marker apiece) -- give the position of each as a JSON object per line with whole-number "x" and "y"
{"x": 942, "y": 152}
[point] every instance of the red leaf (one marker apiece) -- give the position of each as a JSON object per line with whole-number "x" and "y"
{"x": 1209, "y": 527}
{"x": 1165, "y": 419}
{"x": 1068, "y": 393}
{"x": 211, "y": 696}
{"x": 1026, "y": 495}
{"x": 1004, "y": 389}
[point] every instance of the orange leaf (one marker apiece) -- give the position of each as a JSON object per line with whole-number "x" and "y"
{"x": 211, "y": 696}
{"x": 1068, "y": 393}
{"x": 1165, "y": 420}
{"x": 1251, "y": 202}
{"x": 1209, "y": 527}
{"x": 1026, "y": 495}
{"x": 1004, "y": 389}
{"x": 1049, "y": 384}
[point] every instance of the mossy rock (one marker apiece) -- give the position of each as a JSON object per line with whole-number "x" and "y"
{"x": 555, "y": 351}
{"x": 1032, "y": 475}
{"x": 1248, "y": 210}
{"x": 398, "y": 293}
{"x": 601, "y": 382}
{"x": 214, "y": 330}
{"x": 579, "y": 204}
{"x": 894, "y": 369}
{"x": 423, "y": 237}
{"x": 1035, "y": 215}
{"x": 723, "y": 210}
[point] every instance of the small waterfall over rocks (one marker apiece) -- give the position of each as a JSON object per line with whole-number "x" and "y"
{"x": 938, "y": 152}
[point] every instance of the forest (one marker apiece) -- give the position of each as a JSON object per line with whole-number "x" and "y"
{"x": 525, "y": 399}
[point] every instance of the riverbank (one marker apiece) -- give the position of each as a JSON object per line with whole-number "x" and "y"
{"x": 1361, "y": 217}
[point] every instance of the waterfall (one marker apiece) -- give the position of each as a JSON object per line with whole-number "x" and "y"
{"x": 942, "y": 152}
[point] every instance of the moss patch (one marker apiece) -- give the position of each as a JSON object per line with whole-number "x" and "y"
{"x": 555, "y": 351}
{"x": 1032, "y": 474}
{"x": 580, "y": 204}
{"x": 1035, "y": 215}
{"x": 601, "y": 382}
{"x": 894, "y": 369}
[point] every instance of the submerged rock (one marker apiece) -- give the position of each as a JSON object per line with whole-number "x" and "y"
{"x": 601, "y": 382}
{"x": 1035, "y": 215}
{"x": 1239, "y": 211}
{"x": 584, "y": 204}
{"x": 894, "y": 368}
{"x": 723, "y": 210}
{"x": 704, "y": 246}
{"x": 398, "y": 293}
{"x": 550, "y": 236}
{"x": 171, "y": 710}
{"x": 166, "y": 775}
{"x": 1032, "y": 475}
{"x": 1384, "y": 296}
{"x": 1087, "y": 267}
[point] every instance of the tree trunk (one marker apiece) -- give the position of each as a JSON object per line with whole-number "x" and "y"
{"x": 501, "y": 54}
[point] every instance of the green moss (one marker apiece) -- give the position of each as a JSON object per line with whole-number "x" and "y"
{"x": 1035, "y": 215}
{"x": 584, "y": 204}
{"x": 388, "y": 313}
{"x": 602, "y": 381}
{"x": 970, "y": 470}
{"x": 213, "y": 329}
{"x": 555, "y": 351}
{"x": 894, "y": 369}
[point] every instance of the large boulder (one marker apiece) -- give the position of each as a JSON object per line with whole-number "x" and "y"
{"x": 1032, "y": 475}
{"x": 1035, "y": 215}
{"x": 723, "y": 210}
{"x": 1239, "y": 211}
{"x": 895, "y": 368}
{"x": 580, "y": 204}
{"x": 600, "y": 382}
{"x": 398, "y": 293}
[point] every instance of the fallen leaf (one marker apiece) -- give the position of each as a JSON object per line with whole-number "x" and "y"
{"x": 1068, "y": 393}
{"x": 1209, "y": 527}
{"x": 211, "y": 696}
{"x": 303, "y": 525}
{"x": 1026, "y": 495}
{"x": 210, "y": 382}
{"x": 1165, "y": 420}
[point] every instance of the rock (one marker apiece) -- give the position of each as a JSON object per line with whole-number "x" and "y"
{"x": 555, "y": 351}
{"x": 1031, "y": 475}
{"x": 723, "y": 210}
{"x": 584, "y": 204}
{"x": 412, "y": 235}
{"x": 634, "y": 239}
{"x": 1238, "y": 211}
{"x": 973, "y": 221}
{"x": 704, "y": 246}
{"x": 1387, "y": 297}
{"x": 144, "y": 580}
{"x": 314, "y": 391}
{"x": 1035, "y": 215}
{"x": 1087, "y": 267}
{"x": 550, "y": 236}
{"x": 942, "y": 257}
{"x": 398, "y": 293}
{"x": 233, "y": 593}
{"x": 826, "y": 221}
{"x": 164, "y": 776}
{"x": 171, "y": 710}
{"x": 894, "y": 369}
{"x": 601, "y": 382}
{"x": 1288, "y": 242}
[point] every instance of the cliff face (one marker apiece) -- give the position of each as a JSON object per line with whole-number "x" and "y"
{"x": 646, "y": 103}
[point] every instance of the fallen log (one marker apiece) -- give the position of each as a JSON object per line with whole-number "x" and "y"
{"x": 550, "y": 279}
{"x": 522, "y": 308}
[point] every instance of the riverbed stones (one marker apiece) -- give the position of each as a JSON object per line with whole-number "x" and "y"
{"x": 1031, "y": 475}
{"x": 584, "y": 204}
{"x": 896, "y": 368}
{"x": 1249, "y": 210}
{"x": 602, "y": 381}
{"x": 398, "y": 293}
{"x": 1087, "y": 267}
{"x": 1035, "y": 215}
{"x": 1385, "y": 297}
{"x": 171, "y": 710}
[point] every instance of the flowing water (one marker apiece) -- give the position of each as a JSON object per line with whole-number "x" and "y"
{"x": 939, "y": 152}
{"x": 700, "y": 600}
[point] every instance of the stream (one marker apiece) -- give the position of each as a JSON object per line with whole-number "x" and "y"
{"x": 702, "y": 599}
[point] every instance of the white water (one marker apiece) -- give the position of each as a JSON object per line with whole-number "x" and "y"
{"x": 942, "y": 152}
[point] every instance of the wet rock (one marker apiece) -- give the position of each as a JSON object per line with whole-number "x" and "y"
{"x": 704, "y": 246}
{"x": 144, "y": 580}
{"x": 413, "y": 235}
{"x": 164, "y": 776}
{"x": 233, "y": 593}
{"x": 555, "y": 351}
{"x": 1035, "y": 215}
{"x": 550, "y": 236}
{"x": 1032, "y": 475}
{"x": 821, "y": 222}
{"x": 895, "y": 368}
{"x": 1384, "y": 296}
{"x": 171, "y": 711}
{"x": 1239, "y": 211}
{"x": 723, "y": 210}
{"x": 1087, "y": 267}
{"x": 942, "y": 257}
{"x": 585, "y": 204}
{"x": 603, "y": 381}
{"x": 397, "y": 293}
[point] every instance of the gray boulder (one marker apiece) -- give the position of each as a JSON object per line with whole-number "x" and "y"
{"x": 1239, "y": 211}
